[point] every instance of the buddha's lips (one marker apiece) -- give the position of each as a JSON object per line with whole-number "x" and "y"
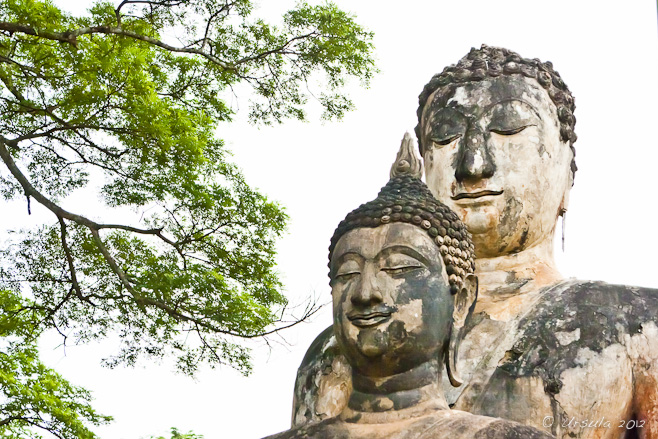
{"x": 370, "y": 318}
{"x": 478, "y": 194}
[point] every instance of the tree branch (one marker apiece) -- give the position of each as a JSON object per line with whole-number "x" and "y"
{"x": 279, "y": 49}
{"x": 114, "y": 266}
{"x": 58, "y": 211}
{"x": 141, "y": 301}
{"x": 72, "y": 35}
{"x": 69, "y": 260}
{"x": 94, "y": 227}
{"x": 9, "y": 419}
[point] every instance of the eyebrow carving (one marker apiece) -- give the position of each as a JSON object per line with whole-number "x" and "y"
{"x": 405, "y": 250}
{"x": 347, "y": 256}
{"x": 441, "y": 116}
{"x": 504, "y": 101}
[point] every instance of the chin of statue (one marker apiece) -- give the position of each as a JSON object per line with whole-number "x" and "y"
{"x": 376, "y": 356}
{"x": 372, "y": 344}
{"x": 491, "y": 245}
{"x": 497, "y": 234}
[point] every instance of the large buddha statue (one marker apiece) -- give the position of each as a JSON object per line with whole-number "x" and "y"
{"x": 401, "y": 270}
{"x": 576, "y": 358}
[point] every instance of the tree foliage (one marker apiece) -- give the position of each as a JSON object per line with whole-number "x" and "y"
{"x": 127, "y": 98}
{"x": 34, "y": 397}
{"x": 175, "y": 434}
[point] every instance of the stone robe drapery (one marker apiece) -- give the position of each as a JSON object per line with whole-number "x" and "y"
{"x": 442, "y": 424}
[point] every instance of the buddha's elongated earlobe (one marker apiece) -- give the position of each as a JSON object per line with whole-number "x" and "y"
{"x": 564, "y": 221}
{"x": 451, "y": 357}
{"x": 563, "y": 207}
{"x": 464, "y": 304}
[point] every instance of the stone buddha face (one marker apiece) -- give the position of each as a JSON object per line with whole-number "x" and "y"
{"x": 392, "y": 305}
{"x": 493, "y": 154}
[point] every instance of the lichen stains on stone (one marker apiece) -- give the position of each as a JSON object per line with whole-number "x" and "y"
{"x": 566, "y": 338}
{"x": 594, "y": 349}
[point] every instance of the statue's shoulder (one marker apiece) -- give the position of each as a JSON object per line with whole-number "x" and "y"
{"x": 589, "y": 314}
{"x": 324, "y": 345}
{"x": 574, "y": 302}
{"x": 575, "y": 317}
{"x": 323, "y": 382}
{"x": 600, "y": 291}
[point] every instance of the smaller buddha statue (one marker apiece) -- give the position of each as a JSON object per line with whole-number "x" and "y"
{"x": 401, "y": 274}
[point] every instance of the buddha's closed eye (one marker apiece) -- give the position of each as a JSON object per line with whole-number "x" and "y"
{"x": 509, "y": 131}
{"x": 445, "y": 140}
{"x": 347, "y": 275}
{"x": 348, "y": 270}
{"x": 397, "y": 265}
{"x": 399, "y": 271}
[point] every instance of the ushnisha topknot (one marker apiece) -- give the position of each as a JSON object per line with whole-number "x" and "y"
{"x": 490, "y": 62}
{"x": 405, "y": 198}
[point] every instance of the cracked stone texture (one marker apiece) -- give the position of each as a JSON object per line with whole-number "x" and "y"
{"x": 586, "y": 351}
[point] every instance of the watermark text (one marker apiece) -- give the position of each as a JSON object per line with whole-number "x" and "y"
{"x": 602, "y": 422}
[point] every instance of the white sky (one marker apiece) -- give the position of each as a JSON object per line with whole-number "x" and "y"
{"x": 606, "y": 51}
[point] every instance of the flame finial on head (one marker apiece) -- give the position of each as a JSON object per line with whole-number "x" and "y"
{"x": 407, "y": 163}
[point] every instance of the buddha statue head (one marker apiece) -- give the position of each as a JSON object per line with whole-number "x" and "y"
{"x": 401, "y": 270}
{"x": 496, "y": 133}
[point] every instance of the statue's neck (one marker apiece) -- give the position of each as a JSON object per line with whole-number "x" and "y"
{"x": 410, "y": 394}
{"x": 507, "y": 283}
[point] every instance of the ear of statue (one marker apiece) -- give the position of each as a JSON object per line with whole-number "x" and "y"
{"x": 562, "y": 211}
{"x": 464, "y": 304}
{"x": 564, "y": 204}
{"x": 406, "y": 162}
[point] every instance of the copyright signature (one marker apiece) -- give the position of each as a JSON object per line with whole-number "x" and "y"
{"x": 549, "y": 421}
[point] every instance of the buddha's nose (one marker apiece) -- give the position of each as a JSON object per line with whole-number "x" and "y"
{"x": 474, "y": 160}
{"x": 368, "y": 290}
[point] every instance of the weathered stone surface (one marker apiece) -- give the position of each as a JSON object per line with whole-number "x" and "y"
{"x": 507, "y": 188}
{"x": 575, "y": 358}
{"x": 399, "y": 312}
{"x": 586, "y": 352}
{"x": 605, "y": 369}
{"x": 324, "y": 381}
